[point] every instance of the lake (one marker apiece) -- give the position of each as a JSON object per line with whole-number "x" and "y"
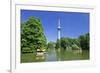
{"x": 55, "y": 55}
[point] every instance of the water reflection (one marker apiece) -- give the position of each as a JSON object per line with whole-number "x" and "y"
{"x": 51, "y": 55}
{"x": 55, "y": 55}
{"x": 40, "y": 56}
{"x": 62, "y": 55}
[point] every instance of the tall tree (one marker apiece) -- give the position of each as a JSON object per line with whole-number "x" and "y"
{"x": 32, "y": 34}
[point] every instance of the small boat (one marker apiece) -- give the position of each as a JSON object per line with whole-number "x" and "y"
{"x": 40, "y": 52}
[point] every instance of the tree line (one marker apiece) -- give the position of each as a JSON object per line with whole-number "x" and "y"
{"x": 82, "y": 42}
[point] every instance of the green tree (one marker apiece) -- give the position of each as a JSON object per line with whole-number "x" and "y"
{"x": 32, "y": 34}
{"x": 58, "y": 45}
{"x": 64, "y": 43}
{"x": 74, "y": 43}
{"x": 84, "y": 41}
{"x": 51, "y": 45}
{"x": 75, "y": 47}
{"x": 67, "y": 43}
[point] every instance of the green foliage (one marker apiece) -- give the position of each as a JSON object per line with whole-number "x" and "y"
{"x": 74, "y": 43}
{"x": 50, "y": 45}
{"x": 57, "y": 44}
{"x": 32, "y": 34}
{"x": 84, "y": 41}
{"x": 64, "y": 43}
{"x": 27, "y": 50}
{"x": 75, "y": 47}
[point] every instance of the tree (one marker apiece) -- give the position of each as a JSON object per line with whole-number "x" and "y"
{"x": 74, "y": 43}
{"x": 84, "y": 41}
{"x": 32, "y": 34}
{"x": 64, "y": 43}
{"x": 75, "y": 47}
{"x": 58, "y": 45}
{"x": 51, "y": 45}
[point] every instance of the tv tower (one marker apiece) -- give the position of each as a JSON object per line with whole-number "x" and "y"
{"x": 59, "y": 29}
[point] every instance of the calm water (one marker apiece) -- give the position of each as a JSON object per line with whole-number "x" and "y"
{"x": 55, "y": 55}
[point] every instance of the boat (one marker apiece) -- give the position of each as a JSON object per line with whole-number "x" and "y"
{"x": 40, "y": 52}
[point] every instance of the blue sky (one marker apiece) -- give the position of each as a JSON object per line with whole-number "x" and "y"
{"x": 73, "y": 24}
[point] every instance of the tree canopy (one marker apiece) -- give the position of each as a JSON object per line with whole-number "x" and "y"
{"x": 82, "y": 42}
{"x": 32, "y": 34}
{"x": 50, "y": 45}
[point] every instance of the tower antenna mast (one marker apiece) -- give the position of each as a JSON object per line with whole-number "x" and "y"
{"x": 59, "y": 32}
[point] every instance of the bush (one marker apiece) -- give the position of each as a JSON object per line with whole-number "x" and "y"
{"x": 75, "y": 47}
{"x": 27, "y": 50}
